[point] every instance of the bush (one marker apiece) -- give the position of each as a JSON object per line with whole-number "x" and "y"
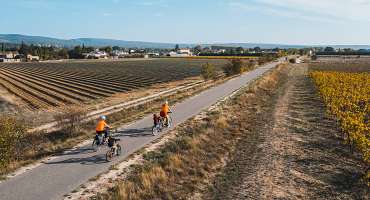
{"x": 292, "y": 60}
{"x": 235, "y": 66}
{"x": 12, "y": 132}
{"x": 266, "y": 58}
{"x": 250, "y": 65}
{"x": 208, "y": 71}
{"x": 71, "y": 119}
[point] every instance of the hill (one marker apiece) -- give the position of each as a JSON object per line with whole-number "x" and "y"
{"x": 99, "y": 42}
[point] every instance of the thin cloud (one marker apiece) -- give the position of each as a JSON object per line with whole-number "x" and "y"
{"x": 278, "y": 11}
{"x": 107, "y": 14}
{"x": 161, "y": 3}
{"x": 336, "y": 9}
{"x": 329, "y": 11}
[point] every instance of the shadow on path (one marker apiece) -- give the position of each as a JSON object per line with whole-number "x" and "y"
{"x": 135, "y": 132}
{"x": 96, "y": 159}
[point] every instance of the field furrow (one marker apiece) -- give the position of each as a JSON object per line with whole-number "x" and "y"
{"x": 93, "y": 86}
{"x": 58, "y": 93}
{"x": 75, "y": 92}
{"x": 47, "y": 84}
{"x": 19, "y": 89}
{"x": 106, "y": 81}
{"x": 83, "y": 87}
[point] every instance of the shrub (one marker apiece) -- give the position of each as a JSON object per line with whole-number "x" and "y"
{"x": 71, "y": 118}
{"x": 235, "y": 66}
{"x": 12, "y": 132}
{"x": 249, "y": 65}
{"x": 208, "y": 71}
{"x": 292, "y": 60}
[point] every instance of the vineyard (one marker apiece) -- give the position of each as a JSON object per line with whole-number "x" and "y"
{"x": 45, "y": 85}
{"x": 347, "y": 96}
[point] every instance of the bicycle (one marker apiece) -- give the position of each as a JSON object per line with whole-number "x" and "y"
{"x": 161, "y": 125}
{"x": 157, "y": 128}
{"x": 115, "y": 149}
{"x": 96, "y": 144}
{"x": 169, "y": 120}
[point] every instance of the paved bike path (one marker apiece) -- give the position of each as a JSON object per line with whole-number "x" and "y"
{"x": 62, "y": 174}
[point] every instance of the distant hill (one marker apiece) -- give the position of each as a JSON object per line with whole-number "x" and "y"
{"x": 98, "y": 42}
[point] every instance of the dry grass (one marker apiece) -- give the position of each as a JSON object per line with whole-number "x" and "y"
{"x": 187, "y": 163}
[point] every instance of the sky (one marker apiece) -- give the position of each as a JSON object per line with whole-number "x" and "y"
{"x": 309, "y": 22}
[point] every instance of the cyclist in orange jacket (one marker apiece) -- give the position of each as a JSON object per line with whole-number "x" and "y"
{"x": 164, "y": 112}
{"x": 101, "y": 128}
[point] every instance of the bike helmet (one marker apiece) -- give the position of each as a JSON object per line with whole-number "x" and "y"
{"x": 103, "y": 118}
{"x": 166, "y": 102}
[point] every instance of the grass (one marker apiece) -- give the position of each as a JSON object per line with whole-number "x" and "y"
{"x": 187, "y": 163}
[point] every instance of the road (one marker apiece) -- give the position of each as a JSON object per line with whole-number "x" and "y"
{"x": 62, "y": 174}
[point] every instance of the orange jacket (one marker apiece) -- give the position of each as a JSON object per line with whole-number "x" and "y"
{"x": 101, "y": 125}
{"x": 165, "y": 108}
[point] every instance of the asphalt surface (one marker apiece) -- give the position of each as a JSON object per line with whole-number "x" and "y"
{"x": 63, "y": 174}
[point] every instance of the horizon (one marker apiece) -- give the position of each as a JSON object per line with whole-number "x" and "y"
{"x": 212, "y": 43}
{"x": 287, "y": 22}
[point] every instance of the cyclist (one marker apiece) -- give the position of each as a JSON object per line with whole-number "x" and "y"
{"x": 164, "y": 112}
{"x": 101, "y": 128}
{"x": 156, "y": 119}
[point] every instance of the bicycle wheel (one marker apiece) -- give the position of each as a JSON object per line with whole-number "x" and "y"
{"x": 169, "y": 122}
{"x": 109, "y": 155}
{"x": 154, "y": 130}
{"x": 119, "y": 150}
{"x": 95, "y": 145}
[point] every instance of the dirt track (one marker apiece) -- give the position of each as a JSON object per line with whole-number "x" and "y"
{"x": 295, "y": 154}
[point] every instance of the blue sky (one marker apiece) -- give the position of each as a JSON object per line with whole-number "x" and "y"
{"x": 193, "y": 21}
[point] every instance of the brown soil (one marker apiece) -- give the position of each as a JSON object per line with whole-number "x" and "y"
{"x": 8, "y": 103}
{"x": 295, "y": 154}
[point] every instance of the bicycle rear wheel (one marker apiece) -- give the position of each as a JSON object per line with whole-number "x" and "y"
{"x": 95, "y": 145}
{"x": 169, "y": 122}
{"x": 119, "y": 150}
{"x": 109, "y": 155}
{"x": 154, "y": 130}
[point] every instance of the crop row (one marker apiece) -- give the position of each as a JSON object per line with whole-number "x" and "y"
{"x": 347, "y": 96}
{"x": 42, "y": 85}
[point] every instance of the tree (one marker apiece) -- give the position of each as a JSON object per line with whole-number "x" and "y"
{"x": 71, "y": 119}
{"x": 63, "y": 53}
{"x": 329, "y": 49}
{"x": 257, "y": 49}
{"x": 235, "y": 66}
{"x": 208, "y": 71}
{"x": 177, "y": 47}
{"x": 23, "y": 49}
{"x": 197, "y": 49}
{"x": 115, "y": 48}
{"x": 107, "y": 49}
{"x": 76, "y": 53}
{"x": 239, "y": 50}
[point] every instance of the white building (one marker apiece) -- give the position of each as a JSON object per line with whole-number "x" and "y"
{"x": 96, "y": 54}
{"x": 181, "y": 53}
{"x": 10, "y": 57}
{"x": 119, "y": 53}
{"x": 33, "y": 58}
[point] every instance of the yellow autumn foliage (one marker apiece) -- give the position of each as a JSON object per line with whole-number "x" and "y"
{"x": 347, "y": 97}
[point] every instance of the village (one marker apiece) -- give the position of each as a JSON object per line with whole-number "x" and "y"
{"x": 39, "y": 53}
